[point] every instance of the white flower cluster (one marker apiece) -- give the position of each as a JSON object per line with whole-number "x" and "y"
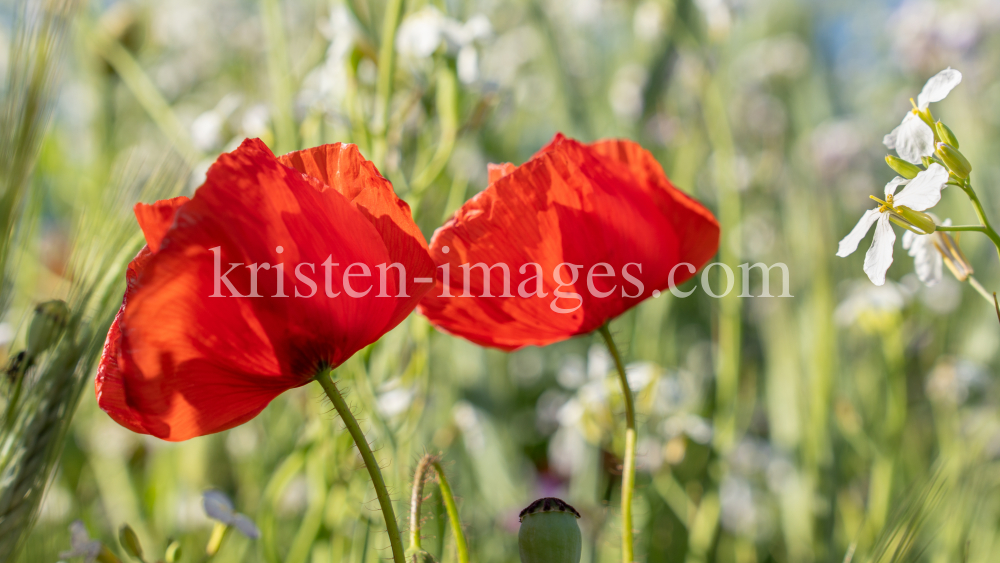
{"x": 424, "y": 31}
{"x": 913, "y": 140}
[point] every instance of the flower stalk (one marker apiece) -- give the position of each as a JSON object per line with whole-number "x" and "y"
{"x": 425, "y": 464}
{"x": 325, "y": 379}
{"x": 628, "y": 464}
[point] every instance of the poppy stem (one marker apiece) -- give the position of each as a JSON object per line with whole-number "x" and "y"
{"x": 426, "y": 462}
{"x": 628, "y": 464}
{"x": 392, "y": 527}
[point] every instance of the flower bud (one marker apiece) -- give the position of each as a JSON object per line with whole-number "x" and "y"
{"x": 925, "y": 115}
{"x": 923, "y": 222}
{"x": 107, "y": 556}
{"x": 927, "y": 161}
{"x": 903, "y": 168}
{"x": 46, "y": 326}
{"x": 173, "y": 553}
{"x": 549, "y": 533}
{"x": 945, "y": 134}
{"x": 954, "y": 160}
{"x": 130, "y": 541}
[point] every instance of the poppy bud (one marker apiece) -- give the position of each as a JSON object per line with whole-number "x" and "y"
{"x": 418, "y": 556}
{"x": 46, "y": 326}
{"x": 954, "y": 160}
{"x": 923, "y": 222}
{"x": 945, "y": 134}
{"x": 549, "y": 533}
{"x": 903, "y": 168}
{"x": 130, "y": 541}
{"x": 173, "y": 553}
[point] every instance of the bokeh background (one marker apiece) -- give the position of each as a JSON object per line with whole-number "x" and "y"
{"x": 846, "y": 421}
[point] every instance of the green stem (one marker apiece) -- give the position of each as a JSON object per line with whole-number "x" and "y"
{"x": 392, "y": 527}
{"x": 978, "y": 228}
{"x": 628, "y": 465}
{"x": 427, "y": 462}
{"x": 988, "y": 228}
{"x": 278, "y": 64}
{"x": 383, "y": 88}
{"x": 449, "y": 505}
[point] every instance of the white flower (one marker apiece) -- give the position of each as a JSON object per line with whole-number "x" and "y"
{"x": 932, "y": 251}
{"x": 913, "y": 138}
{"x": 921, "y": 193}
{"x": 218, "y": 507}
{"x": 82, "y": 545}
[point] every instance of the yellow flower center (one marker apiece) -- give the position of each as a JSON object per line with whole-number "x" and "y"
{"x": 886, "y": 205}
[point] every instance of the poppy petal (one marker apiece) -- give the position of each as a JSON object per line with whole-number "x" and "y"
{"x": 191, "y": 364}
{"x": 603, "y": 209}
{"x": 155, "y": 219}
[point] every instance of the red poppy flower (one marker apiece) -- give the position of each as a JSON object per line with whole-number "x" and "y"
{"x": 197, "y": 349}
{"x": 599, "y": 225}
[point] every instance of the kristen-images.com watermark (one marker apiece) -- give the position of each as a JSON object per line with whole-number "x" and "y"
{"x": 483, "y": 280}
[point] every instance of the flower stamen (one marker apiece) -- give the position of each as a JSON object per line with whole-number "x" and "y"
{"x": 886, "y": 205}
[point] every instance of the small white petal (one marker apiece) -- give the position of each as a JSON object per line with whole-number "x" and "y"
{"x": 218, "y": 506}
{"x": 914, "y": 139}
{"x": 420, "y": 33}
{"x": 879, "y": 256}
{"x": 938, "y": 86}
{"x": 467, "y": 64}
{"x": 924, "y": 191}
{"x": 850, "y": 243}
{"x": 927, "y": 262}
{"x": 890, "y": 188}
{"x": 890, "y": 140}
{"x": 246, "y": 525}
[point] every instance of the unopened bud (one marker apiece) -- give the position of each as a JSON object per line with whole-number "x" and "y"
{"x": 549, "y": 533}
{"x": 46, "y": 326}
{"x": 173, "y": 553}
{"x": 954, "y": 160}
{"x": 107, "y": 556}
{"x": 130, "y": 541}
{"x": 927, "y": 161}
{"x": 903, "y": 168}
{"x": 925, "y": 115}
{"x": 922, "y": 221}
{"x": 945, "y": 134}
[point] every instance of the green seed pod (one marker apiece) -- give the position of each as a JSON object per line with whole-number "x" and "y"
{"x": 549, "y": 533}
{"x": 945, "y": 134}
{"x": 923, "y": 222}
{"x": 418, "y": 556}
{"x": 46, "y": 326}
{"x": 903, "y": 168}
{"x": 173, "y": 553}
{"x": 954, "y": 160}
{"x": 130, "y": 541}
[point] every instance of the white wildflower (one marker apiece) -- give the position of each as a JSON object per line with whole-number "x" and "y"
{"x": 914, "y": 138}
{"x": 920, "y": 194}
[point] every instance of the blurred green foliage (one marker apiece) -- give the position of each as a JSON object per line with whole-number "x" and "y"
{"x": 848, "y": 419}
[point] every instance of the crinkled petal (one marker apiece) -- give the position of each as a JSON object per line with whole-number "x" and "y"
{"x": 879, "y": 256}
{"x": 850, "y": 243}
{"x": 155, "y": 220}
{"x": 606, "y": 203}
{"x": 497, "y": 171}
{"x": 938, "y": 87}
{"x": 914, "y": 139}
{"x": 890, "y": 188}
{"x": 924, "y": 191}
{"x": 180, "y": 363}
{"x": 890, "y": 140}
{"x": 341, "y": 167}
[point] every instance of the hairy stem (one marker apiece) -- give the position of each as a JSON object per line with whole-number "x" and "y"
{"x": 427, "y": 462}
{"x": 392, "y": 527}
{"x": 628, "y": 464}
